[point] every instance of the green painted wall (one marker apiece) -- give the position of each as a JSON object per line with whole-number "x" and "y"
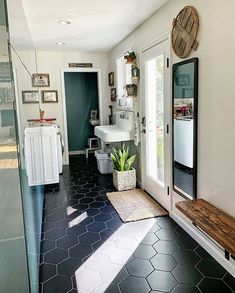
{"x": 81, "y": 90}
{"x": 2, "y": 13}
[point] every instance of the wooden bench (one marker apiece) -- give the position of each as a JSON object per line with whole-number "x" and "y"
{"x": 211, "y": 220}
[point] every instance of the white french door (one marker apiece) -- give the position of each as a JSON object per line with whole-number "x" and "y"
{"x": 155, "y": 122}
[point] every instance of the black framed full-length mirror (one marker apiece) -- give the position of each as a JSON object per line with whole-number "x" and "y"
{"x": 184, "y": 124}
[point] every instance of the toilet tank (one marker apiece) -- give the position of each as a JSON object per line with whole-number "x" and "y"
{"x": 125, "y": 120}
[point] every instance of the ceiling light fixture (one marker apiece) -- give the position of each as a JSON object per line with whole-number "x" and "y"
{"x": 61, "y": 43}
{"x": 64, "y": 22}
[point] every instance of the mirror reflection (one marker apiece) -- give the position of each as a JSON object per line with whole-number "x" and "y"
{"x": 185, "y": 127}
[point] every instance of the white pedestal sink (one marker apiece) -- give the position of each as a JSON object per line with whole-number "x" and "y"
{"x": 121, "y": 131}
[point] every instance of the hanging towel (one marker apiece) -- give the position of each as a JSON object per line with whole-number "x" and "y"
{"x": 136, "y": 130}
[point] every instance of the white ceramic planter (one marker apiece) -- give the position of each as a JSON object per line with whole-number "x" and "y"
{"x": 124, "y": 180}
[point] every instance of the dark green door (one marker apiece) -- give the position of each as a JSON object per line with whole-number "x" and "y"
{"x": 81, "y": 92}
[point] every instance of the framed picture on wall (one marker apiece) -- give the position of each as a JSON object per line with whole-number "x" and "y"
{"x": 49, "y": 96}
{"x": 111, "y": 79}
{"x": 29, "y": 97}
{"x": 113, "y": 95}
{"x": 40, "y": 80}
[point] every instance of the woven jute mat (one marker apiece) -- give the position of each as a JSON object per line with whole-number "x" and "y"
{"x": 134, "y": 205}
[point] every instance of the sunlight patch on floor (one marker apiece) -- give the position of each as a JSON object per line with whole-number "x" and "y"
{"x": 78, "y": 219}
{"x": 100, "y": 269}
{"x": 4, "y": 148}
{"x": 9, "y": 164}
{"x": 70, "y": 210}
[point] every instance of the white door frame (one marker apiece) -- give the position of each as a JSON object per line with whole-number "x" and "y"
{"x": 100, "y": 102}
{"x": 162, "y": 38}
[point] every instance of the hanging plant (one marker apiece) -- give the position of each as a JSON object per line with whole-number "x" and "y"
{"x": 131, "y": 89}
{"x": 130, "y": 56}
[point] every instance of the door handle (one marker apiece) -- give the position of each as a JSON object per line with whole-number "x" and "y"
{"x": 143, "y": 121}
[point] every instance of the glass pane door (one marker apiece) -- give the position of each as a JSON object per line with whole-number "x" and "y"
{"x": 155, "y": 97}
{"x": 156, "y": 146}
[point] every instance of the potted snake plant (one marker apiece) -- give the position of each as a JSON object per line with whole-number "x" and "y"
{"x": 124, "y": 175}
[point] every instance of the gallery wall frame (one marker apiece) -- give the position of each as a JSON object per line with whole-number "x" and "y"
{"x": 40, "y": 80}
{"x": 30, "y": 97}
{"x": 49, "y": 96}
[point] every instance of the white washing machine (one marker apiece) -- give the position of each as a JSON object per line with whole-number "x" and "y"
{"x": 43, "y": 154}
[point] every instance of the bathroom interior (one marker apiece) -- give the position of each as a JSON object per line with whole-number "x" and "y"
{"x": 71, "y": 100}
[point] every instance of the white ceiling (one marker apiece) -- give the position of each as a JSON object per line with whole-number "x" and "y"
{"x": 96, "y": 25}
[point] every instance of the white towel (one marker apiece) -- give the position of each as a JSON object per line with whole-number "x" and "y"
{"x": 136, "y": 130}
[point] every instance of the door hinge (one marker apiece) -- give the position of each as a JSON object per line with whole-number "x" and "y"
{"x": 168, "y": 190}
{"x": 167, "y": 62}
{"x": 167, "y": 128}
{"x": 143, "y": 123}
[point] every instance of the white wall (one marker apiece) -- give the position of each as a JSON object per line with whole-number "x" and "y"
{"x": 52, "y": 63}
{"x": 216, "y": 136}
{"x": 216, "y": 155}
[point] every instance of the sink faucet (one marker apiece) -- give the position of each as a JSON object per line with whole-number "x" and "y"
{"x": 124, "y": 115}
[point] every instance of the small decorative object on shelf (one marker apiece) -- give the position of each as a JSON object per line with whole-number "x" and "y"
{"x": 41, "y": 114}
{"x": 124, "y": 176}
{"x": 131, "y": 90}
{"x": 130, "y": 57}
{"x": 135, "y": 72}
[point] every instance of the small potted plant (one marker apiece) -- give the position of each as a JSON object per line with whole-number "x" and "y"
{"x": 124, "y": 176}
{"x": 134, "y": 71}
{"x": 131, "y": 89}
{"x": 130, "y": 57}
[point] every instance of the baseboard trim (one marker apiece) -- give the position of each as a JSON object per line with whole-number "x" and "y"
{"x": 211, "y": 248}
{"x": 139, "y": 183}
{"x": 81, "y": 152}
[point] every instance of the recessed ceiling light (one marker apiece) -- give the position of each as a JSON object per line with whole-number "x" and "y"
{"x": 61, "y": 43}
{"x": 63, "y": 22}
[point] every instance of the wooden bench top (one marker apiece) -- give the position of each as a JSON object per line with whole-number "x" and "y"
{"x": 216, "y": 223}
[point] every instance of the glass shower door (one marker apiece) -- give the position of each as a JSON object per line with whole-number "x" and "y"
{"x": 19, "y": 103}
{"x": 13, "y": 257}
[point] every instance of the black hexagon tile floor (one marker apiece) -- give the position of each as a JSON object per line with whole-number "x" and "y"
{"x": 86, "y": 248}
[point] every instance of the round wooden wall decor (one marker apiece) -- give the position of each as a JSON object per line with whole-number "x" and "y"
{"x": 184, "y": 32}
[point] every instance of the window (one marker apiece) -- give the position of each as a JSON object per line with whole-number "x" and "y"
{"x": 123, "y": 76}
